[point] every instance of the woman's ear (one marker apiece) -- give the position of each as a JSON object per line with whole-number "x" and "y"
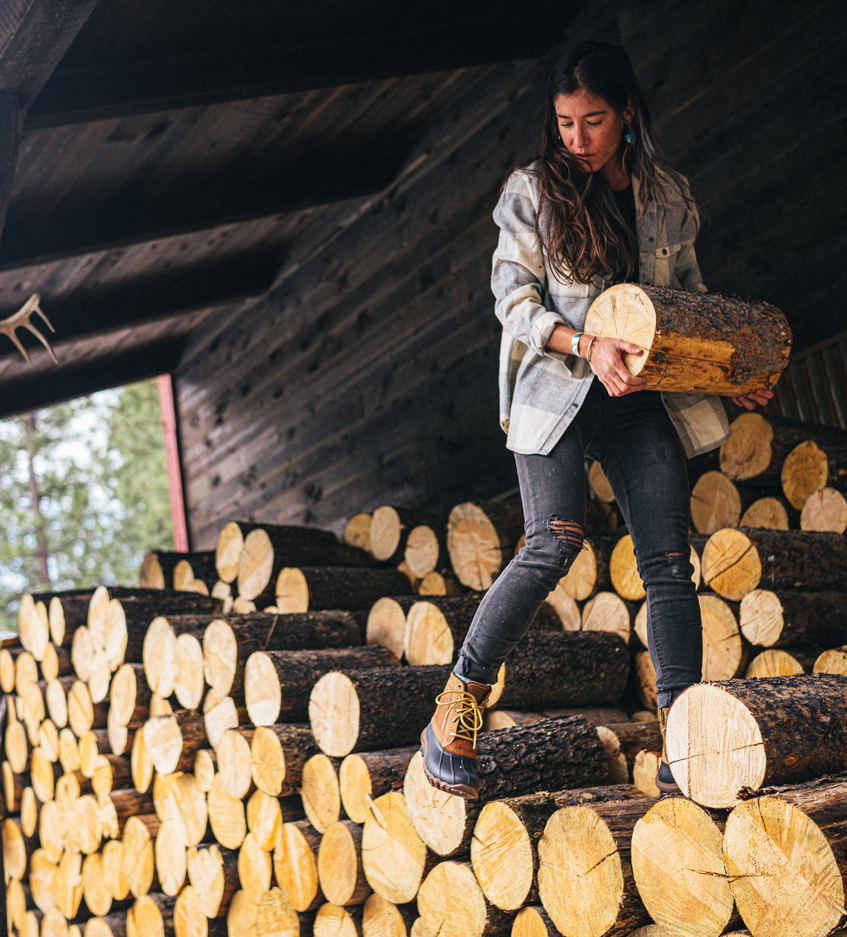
{"x": 629, "y": 112}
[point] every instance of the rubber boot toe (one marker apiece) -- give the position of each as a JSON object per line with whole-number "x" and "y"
{"x": 665, "y": 780}
{"x": 453, "y": 774}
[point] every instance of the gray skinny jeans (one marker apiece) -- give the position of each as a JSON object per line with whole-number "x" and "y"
{"x": 639, "y": 449}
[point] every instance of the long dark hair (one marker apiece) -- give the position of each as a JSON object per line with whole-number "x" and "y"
{"x": 579, "y": 223}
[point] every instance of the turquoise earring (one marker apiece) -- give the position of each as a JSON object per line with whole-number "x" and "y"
{"x": 630, "y": 138}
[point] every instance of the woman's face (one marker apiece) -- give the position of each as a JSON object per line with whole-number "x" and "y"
{"x": 590, "y": 129}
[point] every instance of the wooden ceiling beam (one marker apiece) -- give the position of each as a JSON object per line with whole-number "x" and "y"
{"x": 166, "y": 295}
{"x": 140, "y": 216}
{"x": 45, "y": 388}
{"x": 81, "y": 93}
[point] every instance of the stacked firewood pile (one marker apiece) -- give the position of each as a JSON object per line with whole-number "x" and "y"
{"x": 234, "y": 748}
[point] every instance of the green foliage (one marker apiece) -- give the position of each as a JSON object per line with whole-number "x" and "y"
{"x": 83, "y": 494}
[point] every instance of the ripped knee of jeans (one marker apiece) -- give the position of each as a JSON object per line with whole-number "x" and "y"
{"x": 569, "y": 535}
{"x": 676, "y": 562}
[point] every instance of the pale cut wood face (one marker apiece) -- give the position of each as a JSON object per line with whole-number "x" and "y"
{"x": 502, "y": 856}
{"x": 714, "y": 746}
{"x": 781, "y": 867}
{"x": 747, "y": 452}
{"x": 677, "y": 861}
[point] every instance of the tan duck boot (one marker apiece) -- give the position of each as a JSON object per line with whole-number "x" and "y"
{"x": 448, "y": 743}
{"x": 664, "y": 777}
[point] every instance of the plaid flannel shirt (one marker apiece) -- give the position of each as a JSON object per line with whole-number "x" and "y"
{"x": 541, "y": 391}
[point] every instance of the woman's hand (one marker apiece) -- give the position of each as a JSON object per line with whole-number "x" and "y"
{"x": 606, "y": 360}
{"x": 749, "y": 401}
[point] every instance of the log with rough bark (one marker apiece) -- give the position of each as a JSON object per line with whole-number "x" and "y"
{"x": 785, "y": 844}
{"x": 340, "y": 872}
{"x": 494, "y": 719}
{"x": 825, "y": 510}
{"x": 320, "y": 792}
{"x": 369, "y": 775}
{"x": 440, "y": 582}
{"x": 745, "y": 734}
{"x": 426, "y": 549}
{"x": 694, "y": 343}
{"x": 623, "y": 742}
{"x": 296, "y": 865}
{"x": 785, "y": 618}
{"x": 584, "y": 869}
{"x": 279, "y": 682}
{"x": 370, "y": 710}
{"x": 481, "y": 537}
{"x": 553, "y": 754}
{"x": 394, "y": 858}
{"x": 451, "y": 904}
{"x": 268, "y": 550}
{"x": 585, "y": 668}
{"x": 812, "y": 466}
{"x": 678, "y": 864}
{"x": 437, "y": 627}
{"x": 278, "y": 754}
{"x": 736, "y": 562}
{"x": 67, "y": 611}
{"x": 504, "y": 845}
{"x": 294, "y": 546}
{"x": 390, "y": 530}
{"x": 299, "y": 589}
{"x": 158, "y": 566}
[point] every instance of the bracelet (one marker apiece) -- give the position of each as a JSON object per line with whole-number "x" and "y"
{"x": 575, "y": 343}
{"x": 588, "y": 350}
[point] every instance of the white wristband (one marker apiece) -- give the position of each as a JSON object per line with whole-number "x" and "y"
{"x": 575, "y": 343}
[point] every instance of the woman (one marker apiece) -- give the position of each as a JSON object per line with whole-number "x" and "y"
{"x": 600, "y": 206}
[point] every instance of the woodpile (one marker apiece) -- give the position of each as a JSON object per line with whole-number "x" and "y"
{"x": 245, "y": 759}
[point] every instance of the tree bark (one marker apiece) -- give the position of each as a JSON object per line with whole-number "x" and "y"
{"x": 280, "y": 681}
{"x": 553, "y": 754}
{"x": 301, "y": 589}
{"x": 370, "y": 710}
{"x": 694, "y": 343}
{"x": 371, "y": 774}
{"x": 784, "y": 618}
{"x": 437, "y": 627}
{"x": 723, "y": 738}
{"x": 736, "y": 562}
{"x": 585, "y": 668}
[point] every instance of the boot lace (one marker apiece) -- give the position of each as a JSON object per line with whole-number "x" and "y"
{"x": 465, "y": 712}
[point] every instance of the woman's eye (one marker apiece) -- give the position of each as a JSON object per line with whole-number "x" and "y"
{"x": 595, "y": 123}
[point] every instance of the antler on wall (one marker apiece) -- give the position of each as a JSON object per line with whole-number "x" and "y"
{"x": 23, "y": 319}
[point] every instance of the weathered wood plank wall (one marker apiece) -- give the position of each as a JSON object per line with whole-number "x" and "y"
{"x": 368, "y": 374}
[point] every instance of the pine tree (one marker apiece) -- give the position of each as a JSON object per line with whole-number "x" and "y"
{"x": 83, "y": 494}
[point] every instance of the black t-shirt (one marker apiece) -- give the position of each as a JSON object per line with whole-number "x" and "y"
{"x": 625, "y": 200}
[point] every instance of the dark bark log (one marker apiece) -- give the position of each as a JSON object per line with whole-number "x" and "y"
{"x": 759, "y": 445}
{"x": 737, "y": 561}
{"x": 298, "y": 746}
{"x": 141, "y": 606}
{"x": 390, "y": 529}
{"x": 584, "y": 668}
{"x": 371, "y": 774}
{"x": 334, "y": 588}
{"x": 306, "y": 631}
{"x": 278, "y": 683}
{"x": 745, "y": 734}
{"x": 786, "y": 619}
{"x": 371, "y": 710}
{"x": 481, "y": 538}
{"x": 157, "y": 569}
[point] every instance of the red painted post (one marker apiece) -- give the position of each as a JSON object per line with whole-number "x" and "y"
{"x": 168, "y": 408}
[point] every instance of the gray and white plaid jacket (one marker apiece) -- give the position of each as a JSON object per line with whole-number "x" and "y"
{"x": 541, "y": 391}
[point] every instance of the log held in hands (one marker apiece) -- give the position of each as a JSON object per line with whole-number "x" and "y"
{"x": 694, "y": 342}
